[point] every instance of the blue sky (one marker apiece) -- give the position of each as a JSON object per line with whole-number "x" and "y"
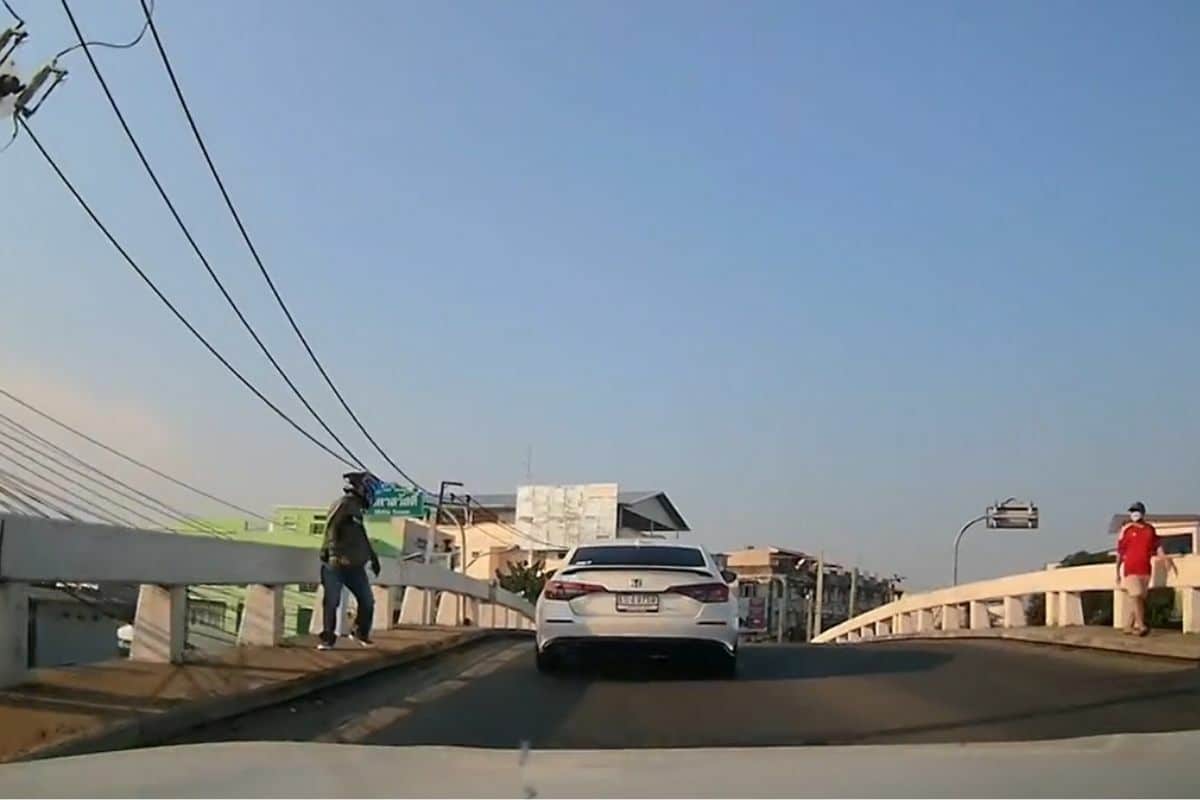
{"x": 833, "y": 275}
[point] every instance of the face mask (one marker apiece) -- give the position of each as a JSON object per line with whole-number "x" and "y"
{"x": 1136, "y": 516}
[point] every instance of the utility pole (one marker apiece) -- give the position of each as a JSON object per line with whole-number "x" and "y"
{"x": 433, "y": 533}
{"x": 783, "y": 608}
{"x": 809, "y": 608}
{"x": 462, "y": 538}
{"x": 19, "y": 98}
{"x": 462, "y": 529}
{"x": 819, "y": 600}
{"x": 437, "y": 519}
{"x": 853, "y": 593}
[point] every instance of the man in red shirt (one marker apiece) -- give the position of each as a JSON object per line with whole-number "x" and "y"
{"x": 1137, "y": 547}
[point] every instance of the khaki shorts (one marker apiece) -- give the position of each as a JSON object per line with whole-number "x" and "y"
{"x": 1136, "y": 585}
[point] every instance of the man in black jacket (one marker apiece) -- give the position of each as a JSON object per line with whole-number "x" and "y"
{"x": 345, "y": 553}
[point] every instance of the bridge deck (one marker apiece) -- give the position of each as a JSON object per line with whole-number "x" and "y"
{"x": 1160, "y": 643}
{"x": 490, "y": 695}
{"x": 115, "y": 703}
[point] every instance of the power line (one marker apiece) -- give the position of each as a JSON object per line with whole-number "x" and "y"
{"x": 93, "y": 605}
{"x": 114, "y": 45}
{"x": 137, "y": 496}
{"x": 11, "y": 494}
{"x": 155, "y": 506}
{"x": 83, "y": 506}
{"x": 511, "y": 528}
{"x": 112, "y": 101}
{"x": 130, "y": 459}
{"x": 12, "y": 137}
{"x": 20, "y": 21}
{"x": 212, "y": 168}
{"x": 163, "y": 298}
{"x": 12, "y": 455}
{"x": 32, "y": 492}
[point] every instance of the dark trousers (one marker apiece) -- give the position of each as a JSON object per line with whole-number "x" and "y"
{"x": 354, "y": 579}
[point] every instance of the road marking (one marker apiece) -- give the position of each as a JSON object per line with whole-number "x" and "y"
{"x": 362, "y": 726}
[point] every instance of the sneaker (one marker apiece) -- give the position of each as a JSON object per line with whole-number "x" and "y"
{"x": 324, "y": 646}
{"x": 363, "y": 641}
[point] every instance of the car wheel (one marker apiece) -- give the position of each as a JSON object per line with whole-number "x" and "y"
{"x": 547, "y": 663}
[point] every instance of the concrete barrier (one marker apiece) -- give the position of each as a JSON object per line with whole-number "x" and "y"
{"x": 1062, "y": 588}
{"x": 164, "y": 564}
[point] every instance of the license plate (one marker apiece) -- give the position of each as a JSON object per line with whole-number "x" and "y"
{"x": 637, "y": 601}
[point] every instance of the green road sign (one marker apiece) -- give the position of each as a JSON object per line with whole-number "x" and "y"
{"x": 393, "y": 500}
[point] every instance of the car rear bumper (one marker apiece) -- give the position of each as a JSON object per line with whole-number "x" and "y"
{"x": 606, "y": 646}
{"x": 641, "y": 632}
{"x": 709, "y": 624}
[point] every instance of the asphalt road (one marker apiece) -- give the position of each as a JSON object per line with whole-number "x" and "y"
{"x": 490, "y": 695}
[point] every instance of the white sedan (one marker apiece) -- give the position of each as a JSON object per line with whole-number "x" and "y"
{"x": 653, "y": 597}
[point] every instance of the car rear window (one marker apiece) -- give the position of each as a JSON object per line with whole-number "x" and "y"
{"x": 641, "y": 556}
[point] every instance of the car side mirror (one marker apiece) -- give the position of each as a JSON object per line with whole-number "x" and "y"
{"x": 729, "y": 576}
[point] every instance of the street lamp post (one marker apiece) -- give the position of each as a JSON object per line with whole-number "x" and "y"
{"x": 1008, "y": 515}
{"x": 958, "y": 540}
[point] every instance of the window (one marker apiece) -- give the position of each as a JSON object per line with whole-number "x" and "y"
{"x": 1177, "y": 545}
{"x": 205, "y": 612}
{"x": 635, "y": 556}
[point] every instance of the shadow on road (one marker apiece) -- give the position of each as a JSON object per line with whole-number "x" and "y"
{"x": 1122, "y": 713}
{"x": 821, "y": 661}
{"x": 758, "y": 662}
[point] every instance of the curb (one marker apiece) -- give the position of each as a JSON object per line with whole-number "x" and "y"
{"x": 1016, "y": 636}
{"x": 151, "y": 729}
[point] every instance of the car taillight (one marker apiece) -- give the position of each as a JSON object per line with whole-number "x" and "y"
{"x": 569, "y": 590}
{"x": 704, "y": 592}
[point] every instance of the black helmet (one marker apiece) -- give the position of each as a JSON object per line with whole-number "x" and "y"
{"x": 363, "y": 484}
{"x": 1139, "y": 506}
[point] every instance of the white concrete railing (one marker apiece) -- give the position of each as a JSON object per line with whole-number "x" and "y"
{"x": 34, "y": 550}
{"x": 967, "y": 606}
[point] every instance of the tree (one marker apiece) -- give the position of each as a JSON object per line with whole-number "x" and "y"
{"x": 524, "y": 579}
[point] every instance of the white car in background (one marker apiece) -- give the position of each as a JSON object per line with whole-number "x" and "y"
{"x": 649, "y": 597}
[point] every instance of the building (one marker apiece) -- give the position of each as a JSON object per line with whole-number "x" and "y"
{"x": 304, "y": 526}
{"x": 1180, "y": 533}
{"x": 215, "y": 612}
{"x": 767, "y": 574}
{"x": 76, "y": 623}
{"x": 569, "y": 514}
{"x": 541, "y": 523}
{"x": 536, "y": 523}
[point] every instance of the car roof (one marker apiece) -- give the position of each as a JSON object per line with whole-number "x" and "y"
{"x": 642, "y": 543}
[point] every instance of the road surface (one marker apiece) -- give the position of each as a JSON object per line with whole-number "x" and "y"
{"x": 490, "y": 695}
